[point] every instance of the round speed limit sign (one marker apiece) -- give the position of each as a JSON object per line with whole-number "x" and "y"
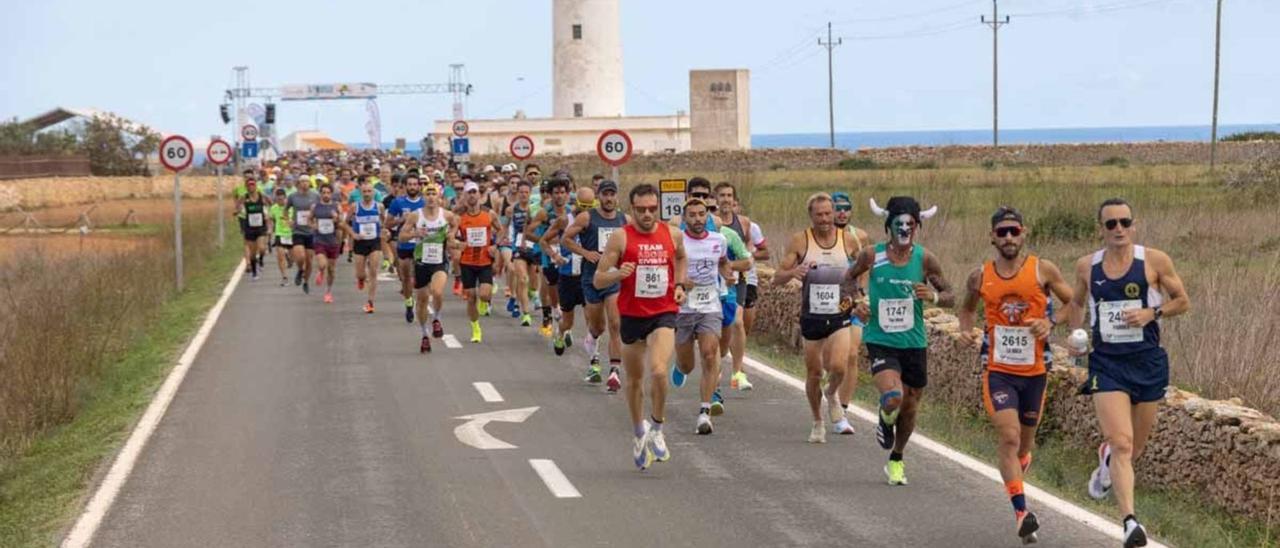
{"x": 219, "y": 152}
{"x": 175, "y": 153}
{"x": 614, "y": 147}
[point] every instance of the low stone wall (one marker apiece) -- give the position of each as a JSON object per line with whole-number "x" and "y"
{"x": 1228, "y": 453}
{"x": 1072, "y": 155}
{"x": 61, "y": 191}
{"x": 584, "y": 165}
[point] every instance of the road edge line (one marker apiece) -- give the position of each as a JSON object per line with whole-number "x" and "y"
{"x": 1049, "y": 500}
{"x": 104, "y": 496}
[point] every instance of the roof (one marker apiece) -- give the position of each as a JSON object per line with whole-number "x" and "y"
{"x": 324, "y": 143}
{"x": 62, "y": 114}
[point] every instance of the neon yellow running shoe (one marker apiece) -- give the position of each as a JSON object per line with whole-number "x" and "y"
{"x": 475, "y": 332}
{"x": 483, "y": 308}
{"x": 896, "y": 471}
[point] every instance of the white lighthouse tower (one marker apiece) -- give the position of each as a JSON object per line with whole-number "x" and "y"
{"x": 587, "y": 59}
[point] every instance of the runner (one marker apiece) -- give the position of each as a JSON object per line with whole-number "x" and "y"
{"x": 517, "y": 215}
{"x": 649, "y": 260}
{"x": 255, "y": 225}
{"x": 569, "y": 289}
{"x": 819, "y": 258}
{"x": 894, "y": 316}
{"x": 760, "y": 253}
{"x": 558, "y": 189}
{"x": 587, "y": 236}
{"x": 300, "y": 204}
{"x": 282, "y": 233}
{"x": 733, "y": 339}
{"x": 1128, "y": 289}
{"x": 326, "y": 220}
{"x": 477, "y": 227}
{"x": 406, "y": 242}
{"x": 392, "y": 232}
{"x": 700, "y": 319}
{"x": 844, "y": 210}
{"x": 1016, "y": 294}
{"x": 435, "y": 228}
{"x": 367, "y": 219}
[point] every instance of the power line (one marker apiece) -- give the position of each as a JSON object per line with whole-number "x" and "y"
{"x": 1104, "y": 8}
{"x": 911, "y": 15}
{"x": 923, "y": 31}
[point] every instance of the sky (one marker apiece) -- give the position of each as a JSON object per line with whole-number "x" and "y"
{"x": 903, "y": 65}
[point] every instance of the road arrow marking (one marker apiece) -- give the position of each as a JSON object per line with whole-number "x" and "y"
{"x": 554, "y": 478}
{"x": 472, "y": 432}
{"x": 487, "y": 391}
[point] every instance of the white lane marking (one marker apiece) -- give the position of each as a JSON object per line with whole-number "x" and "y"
{"x": 451, "y": 341}
{"x": 1090, "y": 519}
{"x": 87, "y": 524}
{"x": 554, "y": 478}
{"x": 472, "y": 432}
{"x": 384, "y": 276}
{"x": 487, "y": 391}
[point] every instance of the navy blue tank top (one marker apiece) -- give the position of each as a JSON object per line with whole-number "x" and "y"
{"x": 596, "y": 235}
{"x": 1109, "y": 298}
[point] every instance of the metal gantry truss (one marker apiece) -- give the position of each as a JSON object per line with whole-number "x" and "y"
{"x": 458, "y": 88}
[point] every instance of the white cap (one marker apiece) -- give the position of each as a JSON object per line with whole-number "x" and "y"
{"x": 471, "y": 185}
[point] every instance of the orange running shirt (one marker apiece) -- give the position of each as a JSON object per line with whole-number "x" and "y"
{"x": 1010, "y": 304}
{"x": 477, "y": 238}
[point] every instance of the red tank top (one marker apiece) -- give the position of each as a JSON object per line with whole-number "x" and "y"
{"x": 650, "y": 291}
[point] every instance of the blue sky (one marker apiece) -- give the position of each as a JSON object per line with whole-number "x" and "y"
{"x": 924, "y": 64}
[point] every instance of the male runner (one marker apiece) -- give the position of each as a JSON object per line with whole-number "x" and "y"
{"x": 844, "y": 210}
{"x": 1016, "y": 293}
{"x": 760, "y": 252}
{"x": 326, "y": 220}
{"x": 819, "y": 258}
{"x": 476, "y": 260}
{"x": 649, "y": 260}
{"x": 700, "y": 317}
{"x": 300, "y": 204}
{"x": 569, "y": 289}
{"x": 733, "y": 339}
{"x": 522, "y": 255}
{"x": 392, "y": 232}
{"x": 407, "y": 241}
{"x": 1128, "y": 289}
{"x": 894, "y": 316}
{"x": 558, "y": 188}
{"x": 282, "y": 233}
{"x": 587, "y": 236}
{"x": 435, "y": 227}
{"x": 367, "y": 219}
{"x": 255, "y": 224}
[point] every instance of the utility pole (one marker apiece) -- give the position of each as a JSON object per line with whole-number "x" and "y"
{"x": 995, "y": 23}
{"x": 831, "y": 101}
{"x": 1217, "y": 56}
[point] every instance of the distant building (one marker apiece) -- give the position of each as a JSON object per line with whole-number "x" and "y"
{"x": 309, "y": 140}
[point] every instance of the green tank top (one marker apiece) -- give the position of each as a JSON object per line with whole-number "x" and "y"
{"x": 897, "y": 316}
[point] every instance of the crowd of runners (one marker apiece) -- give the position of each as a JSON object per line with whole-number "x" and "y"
{"x": 663, "y": 299}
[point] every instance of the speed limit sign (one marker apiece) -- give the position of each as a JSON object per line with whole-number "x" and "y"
{"x": 461, "y": 128}
{"x": 614, "y": 147}
{"x": 175, "y": 153}
{"x": 219, "y": 152}
{"x": 249, "y": 132}
{"x": 521, "y": 147}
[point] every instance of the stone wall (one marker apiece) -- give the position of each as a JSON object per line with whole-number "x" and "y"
{"x": 1228, "y": 453}
{"x": 61, "y": 191}
{"x": 1072, "y": 155}
{"x": 584, "y": 165}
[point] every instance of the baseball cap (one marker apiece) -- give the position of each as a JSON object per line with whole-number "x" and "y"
{"x": 1005, "y": 213}
{"x": 470, "y": 186}
{"x": 489, "y": 169}
{"x": 607, "y": 185}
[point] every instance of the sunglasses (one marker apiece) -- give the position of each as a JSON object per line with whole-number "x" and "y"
{"x": 1111, "y": 223}
{"x": 844, "y": 207}
{"x": 472, "y": 191}
{"x": 650, "y": 209}
{"x": 700, "y": 195}
{"x": 1006, "y": 231}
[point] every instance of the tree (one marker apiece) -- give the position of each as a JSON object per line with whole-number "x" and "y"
{"x": 116, "y": 146}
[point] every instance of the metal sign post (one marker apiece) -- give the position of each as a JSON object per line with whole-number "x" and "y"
{"x": 175, "y": 154}
{"x": 219, "y": 152}
{"x": 222, "y": 221}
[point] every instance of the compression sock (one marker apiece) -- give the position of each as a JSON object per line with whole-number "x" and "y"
{"x": 657, "y": 424}
{"x": 1019, "y": 501}
{"x": 894, "y": 455}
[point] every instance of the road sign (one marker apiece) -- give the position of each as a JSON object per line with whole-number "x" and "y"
{"x": 249, "y": 149}
{"x": 461, "y": 149}
{"x": 614, "y": 147}
{"x": 249, "y": 132}
{"x": 219, "y": 152}
{"x": 175, "y": 153}
{"x": 521, "y": 147}
{"x": 472, "y": 432}
{"x": 460, "y": 128}
{"x": 671, "y": 192}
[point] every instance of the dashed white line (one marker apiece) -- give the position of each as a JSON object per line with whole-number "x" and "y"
{"x": 451, "y": 341}
{"x": 487, "y": 391}
{"x": 554, "y": 478}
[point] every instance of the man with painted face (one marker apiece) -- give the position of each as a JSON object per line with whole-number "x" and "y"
{"x": 819, "y": 258}
{"x": 904, "y": 276}
{"x": 1127, "y": 289}
{"x": 1016, "y": 292}
{"x": 587, "y": 236}
{"x": 844, "y": 212}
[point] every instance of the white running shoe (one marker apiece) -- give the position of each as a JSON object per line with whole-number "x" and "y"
{"x": 658, "y": 444}
{"x": 834, "y": 411}
{"x": 843, "y": 427}
{"x": 818, "y": 434}
{"x": 640, "y": 453}
{"x": 1134, "y": 534}
{"x": 704, "y": 424}
{"x": 1100, "y": 479}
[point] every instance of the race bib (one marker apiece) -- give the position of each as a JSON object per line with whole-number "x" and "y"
{"x": 433, "y": 253}
{"x": 255, "y": 220}
{"x": 824, "y": 299}
{"x": 477, "y": 236}
{"x": 325, "y": 226}
{"x": 651, "y": 281}
{"x": 1112, "y": 325}
{"x": 304, "y": 217}
{"x": 896, "y": 315}
{"x": 704, "y": 298}
{"x": 1015, "y": 345}
{"x": 286, "y": 240}
{"x": 520, "y": 243}
{"x": 575, "y": 264}
{"x": 368, "y": 231}
{"x": 602, "y": 237}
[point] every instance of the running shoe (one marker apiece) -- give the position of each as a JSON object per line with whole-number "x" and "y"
{"x": 526, "y": 320}
{"x": 568, "y": 339}
{"x": 834, "y": 412}
{"x": 261, "y": 260}
{"x": 386, "y": 264}
{"x": 613, "y": 382}
{"x": 558, "y": 346}
{"x": 739, "y": 381}
{"x": 1027, "y": 525}
{"x": 475, "y": 332}
{"x": 589, "y": 345}
{"x": 677, "y": 376}
{"x": 368, "y": 307}
{"x": 284, "y": 281}
{"x": 306, "y": 288}
{"x": 297, "y": 278}
{"x": 658, "y": 444}
{"x": 593, "y": 375}
{"x": 482, "y": 307}
{"x": 511, "y": 305}
{"x": 426, "y": 345}
{"x": 844, "y": 428}
{"x": 348, "y": 256}
{"x": 703, "y": 427}
{"x": 1100, "y": 479}
{"x": 254, "y": 276}
{"x": 320, "y": 278}
{"x": 717, "y": 403}
{"x": 1134, "y": 533}
{"x": 408, "y": 310}
{"x": 884, "y": 434}
{"x": 360, "y": 284}
{"x": 640, "y": 452}
{"x": 1025, "y": 462}
{"x": 437, "y": 330}
{"x": 457, "y": 286}
{"x": 896, "y": 472}
{"x": 328, "y": 297}
{"x": 818, "y": 434}
{"x": 546, "y": 330}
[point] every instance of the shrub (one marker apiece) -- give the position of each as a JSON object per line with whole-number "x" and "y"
{"x": 989, "y": 163}
{"x": 1260, "y": 180}
{"x": 1062, "y": 225}
{"x": 1245, "y": 136}
{"x": 777, "y": 166}
{"x": 857, "y": 162}
{"x": 1117, "y": 161}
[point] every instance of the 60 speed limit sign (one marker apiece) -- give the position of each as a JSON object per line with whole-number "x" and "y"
{"x": 219, "y": 152}
{"x": 614, "y": 147}
{"x": 175, "y": 153}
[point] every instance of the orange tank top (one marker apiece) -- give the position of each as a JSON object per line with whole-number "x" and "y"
{"x": 477, "y": 238}
{"x": 1010, "y": 304}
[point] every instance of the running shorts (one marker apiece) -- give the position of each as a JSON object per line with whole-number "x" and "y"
{"x": 728, "y": 312}
{"x": 278, "y": 242}
{"x": 422, "y": 273}
{"x": 303, "y": 240}
{"x": 635, "y": 329}
{"x": 1024, "y": 394}
{"x": 1142, "y": 375}
{"x": 329, "y": 250}
{"x": 753, "y": 293}
{"x": 552, "y": 274}
{"x": 366, "y": 247}
{"x": 691, "y": 324}
{"x": 252, "y": 234}
{"x": 404, "y": 252}
{"x": 476, "y": 275}
{"x": 597, "y": 296}
{"x": 912, "y": 364}
{"x": 818, "y": 328}
{"x": 570, "y": 291}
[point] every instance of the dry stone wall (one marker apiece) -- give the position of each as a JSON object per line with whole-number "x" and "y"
{"x": 1228, "y": 453}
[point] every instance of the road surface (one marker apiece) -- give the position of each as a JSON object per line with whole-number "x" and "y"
{"x": 306, "y": 424}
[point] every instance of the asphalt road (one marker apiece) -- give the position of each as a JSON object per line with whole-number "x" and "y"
{"x": 306, "y": 424}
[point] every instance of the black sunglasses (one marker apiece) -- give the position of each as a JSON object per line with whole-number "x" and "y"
{"x": 1005, "y": 231}
{"x": 700, "y": 195}
{"x": 1111, "y": 223}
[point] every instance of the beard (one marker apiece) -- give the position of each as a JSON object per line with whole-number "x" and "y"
{"x": 1010, "y": 252}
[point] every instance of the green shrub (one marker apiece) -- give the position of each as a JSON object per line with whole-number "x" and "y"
{"x": 1253, "y": 136}
{"x": 857, "y": 162}
{"x": 1117, "y": 161}
{"x": 1258, "y": 180}
{"x": 1062, "y": 225}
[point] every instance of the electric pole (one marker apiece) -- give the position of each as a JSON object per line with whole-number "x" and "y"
{"x": 831, "y": 101}
{"x": 995, "y": 23}
{"x": 1217, "y": 56}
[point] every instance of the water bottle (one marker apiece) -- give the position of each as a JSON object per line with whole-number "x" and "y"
{"x": 1078, "y": 342}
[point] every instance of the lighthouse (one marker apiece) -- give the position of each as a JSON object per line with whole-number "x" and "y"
{"x": 586, "y": 59}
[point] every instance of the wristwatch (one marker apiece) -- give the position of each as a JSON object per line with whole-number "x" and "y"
{"x": 1158, "y": 313}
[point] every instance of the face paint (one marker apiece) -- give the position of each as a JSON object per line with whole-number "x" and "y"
{"x": 903, "y": 228}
